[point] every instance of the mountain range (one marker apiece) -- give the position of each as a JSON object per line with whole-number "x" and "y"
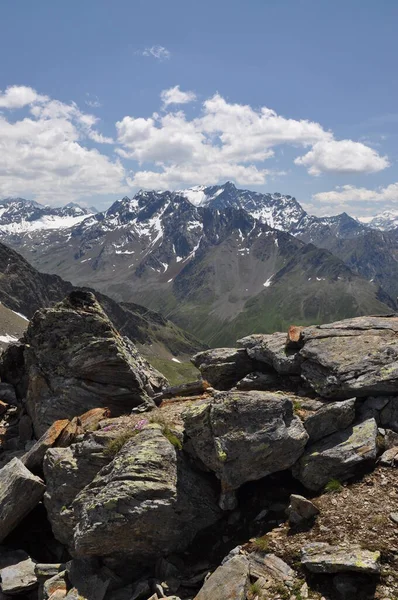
{"x": 218, "y": 261}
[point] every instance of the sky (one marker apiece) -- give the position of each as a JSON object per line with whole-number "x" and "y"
{"x": 101, "y": 98}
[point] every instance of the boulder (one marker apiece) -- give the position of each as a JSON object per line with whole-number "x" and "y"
{"x": 332, "y": 417}
{"x": 223, "y": 367}
{"x": 20, "y": 492}
{"x": 301, "y": 510}
{"x": 338, "y": 456}
{"x": 243, "y": 436}
{"x": 33, "y": 459}
{"x": 67, "y": 471}
{"x": 389, "y": 414}
{"x": 270, "y": 566}
{"x": 271, "y": 349}
{"x": 320, "y": 557}
{"x": 75, "y": 360}
{"x": 259, "y": 381}
{"x": 17, "y": 572}
{"x": 230, "y": 581}
{"x": 354, "y": 357}
{"x": 146, "y": 503}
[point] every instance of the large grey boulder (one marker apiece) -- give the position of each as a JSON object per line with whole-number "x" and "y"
{"x": 271, "y": 350}
{"x": 244, "y": 436}
{"x": 146, "y": 503}
{"x": 223, "y": 367}
{"x": 320, "y": 557}
{"x": 331, "y": 417}
{"x": 230, "y": 581}
{"x": 354, "y": 357}
{"x": 67, "y": 471}
{"x": 75, "y": 360}
{"x": 20, "y": 492}
{"x": 338, "y": 456}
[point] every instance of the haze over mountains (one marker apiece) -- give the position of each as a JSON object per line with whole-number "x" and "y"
{"x": 219, "y": 261}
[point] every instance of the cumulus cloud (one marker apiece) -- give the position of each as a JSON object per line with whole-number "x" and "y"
{"x": 343, "y": 156}
{"x": 18, "y": 96}
{"x": 225, "y": 141}
{"x": 158, "y": 52}
{"x": 44, "y": 153}
{"x": 176, "y": 96}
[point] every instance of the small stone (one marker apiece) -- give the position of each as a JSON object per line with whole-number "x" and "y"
{"x": 301, "y": 510}
{"x": 17, "y": 573}
{"x": 394, "y": 518}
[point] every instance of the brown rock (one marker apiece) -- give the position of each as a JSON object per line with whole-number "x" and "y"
{"x": 33, "y": 459}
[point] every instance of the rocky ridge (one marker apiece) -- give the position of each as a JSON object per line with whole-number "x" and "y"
{"x": 234, "y": 491}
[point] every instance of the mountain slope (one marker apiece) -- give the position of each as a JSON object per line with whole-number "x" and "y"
{"x": 24, "y": 290}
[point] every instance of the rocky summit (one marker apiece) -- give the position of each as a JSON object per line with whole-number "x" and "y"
{"x": 274, "y": 477}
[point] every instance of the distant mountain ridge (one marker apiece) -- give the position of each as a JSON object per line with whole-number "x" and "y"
{"x": 212, "y": 263}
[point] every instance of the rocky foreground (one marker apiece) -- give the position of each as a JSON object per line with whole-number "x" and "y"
{"x": 274, "y": 477}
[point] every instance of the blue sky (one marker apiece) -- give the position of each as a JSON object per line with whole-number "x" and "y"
{"x": 101, "y": 98}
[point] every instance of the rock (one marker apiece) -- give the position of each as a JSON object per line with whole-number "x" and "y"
{"x": 270, "y": 565}
{"x": 33, "y": 459}
{"x": 67, "y": 471}
{"x": 17, "y": 572}
{"x": 320, "y": 557}
{"x": 337, "y": 456}
{"x": 75, "y": 360}
{"x": 85, "y": 576}
{"x": 141, "y": 589}
{"x": 271, "y": 350}
{"x": 20, "y": 492}
{"x": 7, "y": 394}
{"x": 56, "y": 583}
{"x": 332, "y": 417}
{"x": 244, "y": 436}
{"x": 259, "y": 381}
{"x": 25, "y": 429}
{"x": 230, "y": 581}
{"x": 348, "y": 585}
{"x": 389, "y": 458}
{"x": 223, "y": 367}
{"x": 146, "y": 503}
{"x": 355, "y": 357}
{"x": 394, "y": 517}
{"x": 389, "y": 415}
{"x": 301, "y": 510}
{"x": 390, "y": 439}
{"x": 44, "y": 571}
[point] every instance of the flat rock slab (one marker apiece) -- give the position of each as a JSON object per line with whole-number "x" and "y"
{"x": 333, "y": 416}
{"x": 354, "y": 357}
{"x": 320, "y": 557}
{"x": 223, "y": 367}
{"x": 17, "y": 573}
{"x": 20, "y": 492}
{"x": 270, "y": 565}
{"x": 338, "y": 456}
{"x": 271, "y": 350}
{"x": 228, "y": 582}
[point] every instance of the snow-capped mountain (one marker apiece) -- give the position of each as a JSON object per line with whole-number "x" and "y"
{"x": 208, "y": 262}
{"x": 19, "y": 216}
{"x": 384, "y": 221}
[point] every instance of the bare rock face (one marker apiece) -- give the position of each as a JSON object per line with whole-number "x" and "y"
{"x": 231, "y": 580}
{"x": 223, "y": 367}
{"x": 146, "y": 503}
{"x": 272, "y": 350}
{"x": 244, "y": 436}
{"x": 331, "y": 417}
{"x": 75, "y": 360}
{"x": 20, "y": 492}
{"x": 320, "y": 557}
{"x": 338, "y": 456}
{"x": 354, "y": 357}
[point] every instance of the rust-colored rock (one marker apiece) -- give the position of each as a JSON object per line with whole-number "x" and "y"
{"x": 69, "y": 433}
{"x": 33, "y": 459}
{"x": 91, "y": 419}
{"x": 294, "y": 336}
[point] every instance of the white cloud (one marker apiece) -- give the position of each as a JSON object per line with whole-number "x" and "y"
{"x": 176, "y": 96}
{"x": 344, "y": 156}
{"x": 43, "y": 155}
{"x": 352, "y": 194}
{"x": 18, "y": 96}
{"x": 159, "y": 52}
